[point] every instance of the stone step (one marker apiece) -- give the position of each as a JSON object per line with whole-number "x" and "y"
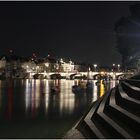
{"x": 133, "y": 82}
{"x": 132, "y": 86}
{"x": 130, "y": 91}
{"x": 108, "y": 123}
{"x": 87, "y": 126}
{"x": 123, "y": 118}
{"x": 124, "y": 95}
{"x": 74, "y": 134}
{"x": 130, "y": 104}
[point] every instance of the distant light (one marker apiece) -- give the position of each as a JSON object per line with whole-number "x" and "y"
{"x": 113, "y": 65}
{"x": 47, "y": 64}
{"x": 102, "y": 72}
{"x": 89, "y": 68}
{"x": 95, "y": 65}
{"x": 61, "y": 60}
{"x": 118, "y": 65}
{"x": 70, "y": 62}
{"x": 11, "y": 51}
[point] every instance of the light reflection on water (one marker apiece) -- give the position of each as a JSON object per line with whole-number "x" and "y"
{"x": 37, "y": 96}
{"x": 0, "y": 95}
{"x": 30, "y": 99}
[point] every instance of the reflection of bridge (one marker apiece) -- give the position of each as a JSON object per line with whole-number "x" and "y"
{"x": 90, "y": 74}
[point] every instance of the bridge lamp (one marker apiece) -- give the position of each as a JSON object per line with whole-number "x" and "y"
{"x": 70, "y": 62}
{"x": 113, "y": 67}
{"x": 89, "y": 69}
{"x": 95, "y": 66}
{"x": 61, "y": 60}
{"x": 47, "y": 65}
{"x": 118, "y": 67}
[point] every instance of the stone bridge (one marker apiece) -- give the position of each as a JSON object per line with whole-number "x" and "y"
{"x": 69, "y": 75}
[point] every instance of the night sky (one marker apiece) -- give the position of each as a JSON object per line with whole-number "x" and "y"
{"x": 82, "y": 31}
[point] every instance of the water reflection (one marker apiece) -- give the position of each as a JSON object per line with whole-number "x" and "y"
{"x": 0, "y": 94}
{"x": 10, "y": 100}
{"x": 67, "y": 99}
{"x": 102, "y": 89}
{"x": 31, "y": 99}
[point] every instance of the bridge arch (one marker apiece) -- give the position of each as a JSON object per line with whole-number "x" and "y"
{"x": 102, "y": 76}
{"x": 55, "y": 76}
{"x": 124, "y": 76}
{"x": 38, "y": 76}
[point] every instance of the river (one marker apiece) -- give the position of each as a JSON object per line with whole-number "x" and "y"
{"x": 29, "y": 110}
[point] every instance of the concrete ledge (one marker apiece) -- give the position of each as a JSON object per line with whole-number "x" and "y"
{"x": 124, "y": 95}
{"x": 109, "y": 121}
{"x": 74, "y": 134}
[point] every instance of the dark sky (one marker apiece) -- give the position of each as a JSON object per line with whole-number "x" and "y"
{"x": 82, "y": 31}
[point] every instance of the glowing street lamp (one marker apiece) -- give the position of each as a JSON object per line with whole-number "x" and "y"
{"x": 89, "y": 69}
{"x": 47, "y": 64}
{"x": 70, "y": 65}
{"x": 89, "y": 73}
{"x": 113, "y": 67}
{"x": 70, "y": 62}
{"x": 118, "y": 67}
{"x": 61, "y": 60}
{"x": 95, "y": 66}
{"x": 37, "y": 68}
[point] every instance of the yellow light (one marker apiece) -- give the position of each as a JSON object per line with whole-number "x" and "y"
{"x": 102, "y": 73}
{"x": 47, "y": 64}
{"x": 101, "y": 88}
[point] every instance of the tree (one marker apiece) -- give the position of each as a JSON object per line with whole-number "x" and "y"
{"x": 128, "y": 35}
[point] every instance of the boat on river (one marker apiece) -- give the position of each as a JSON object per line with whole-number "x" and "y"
{"x": 55, "y": 90}
{"x": 104, "y": 82}
{"x": 81, "y": 88}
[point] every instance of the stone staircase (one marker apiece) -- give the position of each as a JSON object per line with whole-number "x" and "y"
{"x": 115, "y": 115}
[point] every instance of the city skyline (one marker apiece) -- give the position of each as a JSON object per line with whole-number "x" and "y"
{"x": 82, "y": 31}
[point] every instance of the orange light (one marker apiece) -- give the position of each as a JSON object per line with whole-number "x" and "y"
{"x": 101, "y": 88}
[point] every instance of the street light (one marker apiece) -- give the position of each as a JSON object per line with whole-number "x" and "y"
{"x": 95, "y": 66}
{"x": 113, "y": 67}
{"x": 47, "y": 64}
{"x": 71, "y": 67}
{"x": 89, "y": 69}
{"x": 118, "y": 67}
{"x": 61, "y": 61}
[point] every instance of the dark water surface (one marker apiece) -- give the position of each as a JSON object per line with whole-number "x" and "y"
{"x": 29, "y": 110}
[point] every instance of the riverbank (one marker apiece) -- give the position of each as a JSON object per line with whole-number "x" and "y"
{"x": 115, "y": 115}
